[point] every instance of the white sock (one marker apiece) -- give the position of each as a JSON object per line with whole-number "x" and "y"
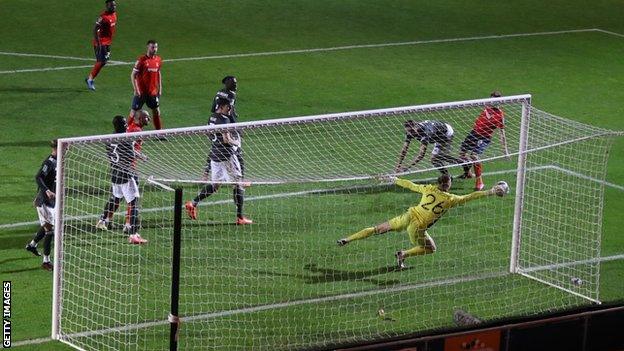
{"x": 32, "y": 243}
{"x": 46, "y": 259}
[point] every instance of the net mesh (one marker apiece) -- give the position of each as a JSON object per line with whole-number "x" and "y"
{"x": 282, "y": 282}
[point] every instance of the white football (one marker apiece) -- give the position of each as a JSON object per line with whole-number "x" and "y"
{"x": 503, "y": 185}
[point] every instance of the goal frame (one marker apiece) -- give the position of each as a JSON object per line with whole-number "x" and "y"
{"x": 519, "y": 196}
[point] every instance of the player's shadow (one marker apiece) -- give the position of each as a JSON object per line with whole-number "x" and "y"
{"x": 21, "y": 270}
{"x": 325, "y": 275}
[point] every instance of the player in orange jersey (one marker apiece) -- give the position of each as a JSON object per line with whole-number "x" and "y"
{"x": 147, "y": 83}
{"x": 103, "y": 33}
{"x": 475, "y": 143}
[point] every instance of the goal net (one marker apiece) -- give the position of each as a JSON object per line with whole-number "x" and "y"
{"x": 283, "y": 282}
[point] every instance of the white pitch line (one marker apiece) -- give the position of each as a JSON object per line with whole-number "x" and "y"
{"x": 45, "y": 56}
{"x": 335, "y": 48}
{"x": 610, "y": 33}
{"x": 307, "y": 192}
{"x": 324, "y": 299}
{"x": 45, "y": 69}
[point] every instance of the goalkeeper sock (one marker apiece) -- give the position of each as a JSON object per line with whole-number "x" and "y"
{"x": 38, "y": 236}
{"x": 415, "y": 251}
{"x": 362, "y": 234}
{"x": 239, "y": 192}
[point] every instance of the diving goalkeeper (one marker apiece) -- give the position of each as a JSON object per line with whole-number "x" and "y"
{"x": 435, "y": 201}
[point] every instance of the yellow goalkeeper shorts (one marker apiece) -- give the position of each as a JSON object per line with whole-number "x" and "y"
{"x": 417, "y": 234}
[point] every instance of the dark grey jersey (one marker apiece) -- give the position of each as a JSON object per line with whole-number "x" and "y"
{"x": 231, "y": 97}
{"x": 46, "y": 180}
{"x": 430, "y": 132}
{"x": 220, "y": 151}
{"x": 121, "y": 156}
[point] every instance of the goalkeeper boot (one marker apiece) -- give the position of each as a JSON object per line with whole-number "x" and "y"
{"x": 136, "y": 239}
{"x": 101, "y": 224}
{"x": 32, "y": 249}
{"x": 47, "y": 266}
{"x": 342, "y": 242}
{"x": 191, "y": 210}
{"x": 400, "y": 259}
{"x": 479, "y": 184}
{"x": 243, "y": 220}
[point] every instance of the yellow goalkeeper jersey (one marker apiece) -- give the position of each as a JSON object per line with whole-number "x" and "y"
{"x": 434, "y": 202}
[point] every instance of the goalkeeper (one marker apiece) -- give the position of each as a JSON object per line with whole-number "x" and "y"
{"x": 435, "y": 201}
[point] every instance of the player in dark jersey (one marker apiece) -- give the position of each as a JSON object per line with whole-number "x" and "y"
{"x": 121, "y": 155}
{"x": 103, "y": 33}
{"x": 44, "y": 202}
{"x": 224, "y": 164}
{"x": 428, "y": 132}
{"x": 230, "y": 86}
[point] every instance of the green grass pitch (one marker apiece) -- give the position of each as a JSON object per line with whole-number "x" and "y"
{"x": 573, "y": 74}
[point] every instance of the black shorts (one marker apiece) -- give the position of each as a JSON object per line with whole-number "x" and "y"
{"x": 102, "y": 53}
{"x": 152, "y": 101}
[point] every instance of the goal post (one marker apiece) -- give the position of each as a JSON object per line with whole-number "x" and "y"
{"x": 283, "y": 282}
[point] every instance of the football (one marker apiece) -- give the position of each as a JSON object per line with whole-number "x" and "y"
{"x": 504, "y": 188}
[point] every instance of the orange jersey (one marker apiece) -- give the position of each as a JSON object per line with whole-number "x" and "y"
{"x": 490, "y": 119}
{"x": 147, "y": 71}
{"x": 106, "y": 31}
{"x": 133, "y": 128}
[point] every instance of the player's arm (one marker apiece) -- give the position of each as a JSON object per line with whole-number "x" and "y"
{"x": 230, "y": 140}
{"x": 96, "y": 29}
{"x": 40, "y": 179}
{"x": 402, "y": 154}
{"x": 421, "y": 154}
{"x": 404, "y": 183}
{"x": 133, "y": 78}
{"x": 159, "y": 83}
{"x": 503, "y": 140}
{"x": 462, "y": 199}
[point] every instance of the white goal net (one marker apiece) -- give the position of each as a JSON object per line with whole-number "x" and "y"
{"x": 283, "y": 283}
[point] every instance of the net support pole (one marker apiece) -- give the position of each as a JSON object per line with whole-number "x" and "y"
{"x": 174, "y": 319}
{"x": 520, "y": 182}
{"x": 58, "y": 241}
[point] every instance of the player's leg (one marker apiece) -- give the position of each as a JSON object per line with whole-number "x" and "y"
{"x": 217, "y": 174}
{"x": 32, "y": 245}
{"x": 479, "y": 149}
{"x": 464, "y": 150}
{"x": 132, "y": 196}
{"x": 235, "y": 174}
{"x": 137, "y": 103}
{"x": 111, "y": 206}
{"x": 47, "y": 247}
{"x": 153, "y": 102}
{"x": 423, "y": 244}
{"x": 395, "y": 224}
{"x": 102, "y": 54}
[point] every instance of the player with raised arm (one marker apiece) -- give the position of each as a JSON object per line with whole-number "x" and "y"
{"x": 434, "y": 203}
{"x": 146, "y": 81}
{"x": 224, "y": 165}
{"x": 428, "y": 132}
{"x": 44, "y": 202}
{"x": 103, "y": 33}
{"x": 479, "y": 138}
{"x": 121, "y": 156}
